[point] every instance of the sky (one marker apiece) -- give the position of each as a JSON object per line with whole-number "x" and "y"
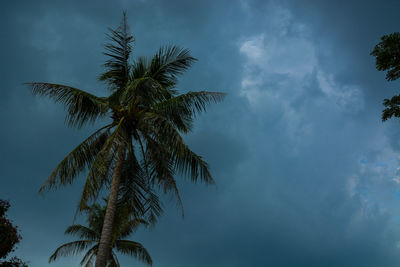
{"x": 306, "y": 172}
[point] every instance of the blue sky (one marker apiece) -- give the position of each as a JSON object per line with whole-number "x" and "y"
{"x": 306, "y": 172}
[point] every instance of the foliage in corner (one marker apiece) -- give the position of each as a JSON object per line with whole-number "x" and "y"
{"x": 9, "y": 238}
{"x": 387, "y": 54}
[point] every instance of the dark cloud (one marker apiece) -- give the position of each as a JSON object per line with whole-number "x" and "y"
{"x": 306, "y": 173}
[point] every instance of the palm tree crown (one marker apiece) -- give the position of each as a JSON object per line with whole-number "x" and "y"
{"x": 124, "y": 225}
{"x": 142, "y": 146}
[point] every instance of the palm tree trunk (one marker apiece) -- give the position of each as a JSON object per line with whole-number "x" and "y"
{"x": 106, "y": 233}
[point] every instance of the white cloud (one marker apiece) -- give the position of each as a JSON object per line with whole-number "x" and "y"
{"x": 280, "y": 66}
{"x": 282, "y": 54}
{"x": 281, "y": 70}
{"x": 345, "y": 97}
{"x": 376, "y": 183}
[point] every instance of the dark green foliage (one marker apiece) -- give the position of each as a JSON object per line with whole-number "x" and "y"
{"x": 81, "y": 106}
{"x": 13, "y": 262}
{"x": 119, "y": 50}
{"x": 124, "y": 225}
{"x": 392, "y": 108}
{"x": 4, "y": 206}
{"x": 387, "y": 54}
{"x": 9, "y": 238}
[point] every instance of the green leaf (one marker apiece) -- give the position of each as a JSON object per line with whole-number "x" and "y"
{"x": 90, "y": 254}
{"x": 77, "y": 160}
{"x": 181, "y": 110}
{"x": 82, "y": 232}
{"x": 81, "y": 106}
{"x": 118, "y": 49}
{"x": 134, "y": 249}
{"x": 101, "y": 167}
{"x": 168, "y": 63}
{"x": 70, "y": 249}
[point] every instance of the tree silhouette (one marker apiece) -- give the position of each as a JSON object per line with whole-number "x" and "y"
{"x": 143, "y": 143}
{"x": 9, "y": 238}
{"x": 124, "y": 225}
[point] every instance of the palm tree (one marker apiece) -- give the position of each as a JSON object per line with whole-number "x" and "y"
{"x": 143, "y": 141}
{"x": 124, "y": 225}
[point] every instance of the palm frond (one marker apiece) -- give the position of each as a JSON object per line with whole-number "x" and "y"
{"x": 95, "y": 215}
{"x": 141, "y": 199}
{"x": 140, "y": 67}
{"x": 118, "y": 49}
{"x": 161, "y": 169}
{"x": 168, "y": 63}
{"x": 89, "y": 263}
{"x": 127, "y": 227}
{"x": 100, "y": 167}
{"x": 77, "y": 160}
{"x": 82, "y": 107}
{"x": 92, "y": 252}
{"x": 70, "y": 249}
{"x": 153, "y": 208}
{"x": 183, "y": 159}
{"x": 140, "y": 91}
{"x": 132, "y": 194}
{"x": 133, "y": 249}
{"x": 113, "y": 260}
{"x": 136, "y": 190}
{"x": 83, "y": 232}
{"x": 132, "y": 183}
{"x": 189, "y": 163}
{"x": 182, "y": 109}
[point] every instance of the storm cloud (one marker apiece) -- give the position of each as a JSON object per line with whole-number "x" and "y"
{"x": 306, "y": 173}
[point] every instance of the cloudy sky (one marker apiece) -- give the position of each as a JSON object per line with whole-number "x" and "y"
{"x": 306, "y": 172}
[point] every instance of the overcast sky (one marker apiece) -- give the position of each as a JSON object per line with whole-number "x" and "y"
{"x": 306, "y": 172}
